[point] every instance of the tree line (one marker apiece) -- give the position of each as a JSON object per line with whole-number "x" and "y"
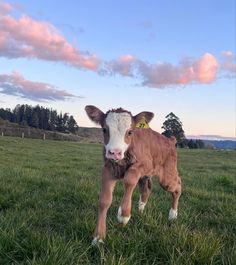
{"x": 40, "y": 117}
{"x": 48, "y": 119}
{"x": 173, "y": 127}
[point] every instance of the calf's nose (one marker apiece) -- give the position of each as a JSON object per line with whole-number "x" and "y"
{"x": 115, "y": 154}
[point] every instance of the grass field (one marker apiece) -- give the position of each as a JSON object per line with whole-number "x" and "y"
{"x": 48, "y": 200}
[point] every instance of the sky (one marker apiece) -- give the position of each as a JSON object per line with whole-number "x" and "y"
{"x": 159, "y": 56}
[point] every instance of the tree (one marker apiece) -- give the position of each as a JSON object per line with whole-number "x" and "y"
{"x": 173, "y": 127}
{"x": 200, "y": 144}
{"x": 65, "y": 122}
{"x": 60, "y": 123}
{"x": 6, "y": 114}
{"x": 53, "y": 120}
{"x": 40, "y": 117}
{"x": 72, "y": 125}
{"x": 35, "y": 119}
{"x": 28, "y": 115}
{"x": 195, "y": 144}
{"x": 192, "y": 144}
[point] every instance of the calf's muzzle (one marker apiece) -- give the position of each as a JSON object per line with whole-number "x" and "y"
{"x": 114, "y": 154}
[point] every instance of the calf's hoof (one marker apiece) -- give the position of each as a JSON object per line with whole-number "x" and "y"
{"x": 123, "y": 220}
{"x": 172, "y": 214}
{"x": 141, "y": 206}
{"x": 97, "y": 241}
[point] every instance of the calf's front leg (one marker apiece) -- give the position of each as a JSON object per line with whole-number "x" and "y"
{"x": 130, "y": 181}
{"x": 105, "y": 199}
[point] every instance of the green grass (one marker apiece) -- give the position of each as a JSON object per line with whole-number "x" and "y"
{"x": 48, "y": 199}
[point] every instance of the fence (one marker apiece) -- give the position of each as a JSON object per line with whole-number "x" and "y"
{"x": 37, "y": 134}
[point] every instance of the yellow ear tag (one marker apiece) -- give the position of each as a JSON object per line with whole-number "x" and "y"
{"x": 142, "y": 124}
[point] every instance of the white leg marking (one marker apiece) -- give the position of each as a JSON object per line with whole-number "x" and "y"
{"x": 173, "y": 214}
{"x": 141, "y": 205}
{"x": 122, "y": 219}
{"x": 96, "y": 241}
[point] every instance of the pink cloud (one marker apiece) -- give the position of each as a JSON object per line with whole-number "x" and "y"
{"x": 15, "y": 84}
{"x": 229, "y": 62}
{"x": 163, "y": 74}
{"x": 203, "y": 70}
{"x": 29, "y": 38}
{"x": 206, "y": 68}
{"x": 5, "y": 7}
{"x": 26, "y": 37}
{"x": 159, "y": 74}
{"x": 123, "y": 66}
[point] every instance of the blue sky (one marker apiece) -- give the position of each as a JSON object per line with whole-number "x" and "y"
{"x": 160, "y": 56}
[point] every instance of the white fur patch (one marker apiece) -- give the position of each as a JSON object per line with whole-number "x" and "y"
{"x": 123, "y": 220}
{"x": 173, "y": 214}
{"x": 141, "y": 205}
{"x": 96, "y": 241}
{"x": 118, "y": 124}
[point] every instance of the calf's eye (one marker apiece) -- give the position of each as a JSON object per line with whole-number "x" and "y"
{"x": 130, "y": 132}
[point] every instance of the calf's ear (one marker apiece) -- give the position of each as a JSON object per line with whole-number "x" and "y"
{"x": 95, "y": 114}
{"x": 146, "y": 115}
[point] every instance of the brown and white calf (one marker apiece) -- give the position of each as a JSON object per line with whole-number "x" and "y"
{"x": 133, "y": 155}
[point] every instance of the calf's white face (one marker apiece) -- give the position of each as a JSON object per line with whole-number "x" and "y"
{"x": 117, "y": 127}
{"x": 118, "y": 124}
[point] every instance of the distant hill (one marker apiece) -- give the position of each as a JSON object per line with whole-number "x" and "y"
{"x": 211, "y": 137}
{"x": 221, "y": 144}
{"x": 217, "y": 141}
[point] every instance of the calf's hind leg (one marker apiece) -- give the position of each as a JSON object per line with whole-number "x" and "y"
{"x": 174, "y": 187}
{"x": 176, "y": 193}
{"x": 145, "y": 186}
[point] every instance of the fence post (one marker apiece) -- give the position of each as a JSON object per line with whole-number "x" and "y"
{"x": 44, "y": 136}
{"x": 22, "y": 135}
{"x": 2, "y": 134}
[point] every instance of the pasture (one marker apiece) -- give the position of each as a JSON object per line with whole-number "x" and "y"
{"x": 48, "y": 203}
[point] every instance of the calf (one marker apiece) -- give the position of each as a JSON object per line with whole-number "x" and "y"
{"x": 133, "y": 153}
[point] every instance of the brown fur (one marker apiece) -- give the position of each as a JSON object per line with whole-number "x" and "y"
{"x": 149, "y": 154}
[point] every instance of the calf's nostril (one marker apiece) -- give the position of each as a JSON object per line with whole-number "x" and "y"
{"x": 114, "y": 153}
{"x": 110, "y": 153}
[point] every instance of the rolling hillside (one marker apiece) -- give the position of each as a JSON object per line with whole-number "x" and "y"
{"x": 89, "y": 135}
{"x": 221, "y": 144}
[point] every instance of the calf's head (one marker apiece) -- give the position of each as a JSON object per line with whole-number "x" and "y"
{"x": 118, "y": 128}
